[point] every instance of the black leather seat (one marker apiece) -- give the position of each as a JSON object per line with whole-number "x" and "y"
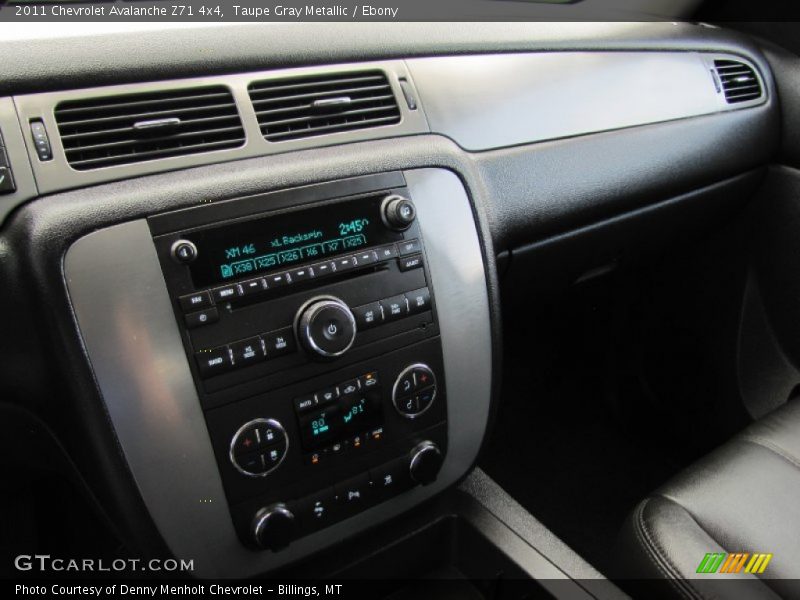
{"x": 742, "y": 498}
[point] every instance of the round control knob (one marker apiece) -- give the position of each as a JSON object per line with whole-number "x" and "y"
{"x": 398, "y": 212}
{"x": 258, "y": 447}
{"x": 426, "y": 460}
{"x": 273, "y": 527}
{"x": 183, "y": 252}
{"x": 326, "y": 327}
{"x": 414, "y": 390}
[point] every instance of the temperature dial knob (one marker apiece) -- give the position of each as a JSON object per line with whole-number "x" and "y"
{"x": 273, "y": 527}
{"x": 398, "y": 213}
{"x": 426, "y": 460}
{"x": 326, "y": 327}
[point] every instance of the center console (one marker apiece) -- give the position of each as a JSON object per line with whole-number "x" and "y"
{"x": 312, "y": 336}
{"x": 287, "y": 369}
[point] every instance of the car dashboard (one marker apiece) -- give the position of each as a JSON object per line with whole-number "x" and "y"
{"x": 257, "y": 278}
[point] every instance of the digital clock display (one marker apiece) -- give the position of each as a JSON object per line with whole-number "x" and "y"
{"x": 282, "y": 241}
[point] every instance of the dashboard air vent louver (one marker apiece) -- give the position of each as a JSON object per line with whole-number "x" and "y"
{"x": 739, "y": 81}
{"x": 301, "y": 107}
{"x": 118, "y": 130}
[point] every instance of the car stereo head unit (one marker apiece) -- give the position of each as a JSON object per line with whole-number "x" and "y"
{"x": 310, "y": 322}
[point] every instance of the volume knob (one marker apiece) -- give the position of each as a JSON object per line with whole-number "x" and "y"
{"x": 326, "y": 327}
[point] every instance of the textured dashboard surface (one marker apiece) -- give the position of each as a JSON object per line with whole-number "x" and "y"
{"x": 497, "y": 100}
{"x": 35, "y": 65}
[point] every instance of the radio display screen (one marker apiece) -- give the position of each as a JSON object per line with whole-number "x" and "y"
{"x": 280, "y": 242}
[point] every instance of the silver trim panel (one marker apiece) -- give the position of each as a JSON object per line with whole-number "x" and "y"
{"x": 498, "y": 100}
{"x": 126, "y": 320}
{"x": 56, "y": 174}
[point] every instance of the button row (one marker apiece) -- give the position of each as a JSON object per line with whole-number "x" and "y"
{"x": 329, "y": 394}
{"x": 356, "y": 443}
{"x": 252, "y": 287}
{"x": 391, "y": 309}
{"x": 349, "y": 497}
{"x": 41, "y": 141}
{"x": 246, "y": 352}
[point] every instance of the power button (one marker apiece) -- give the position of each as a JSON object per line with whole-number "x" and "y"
{"x": 183, "y": 252}
{"x": 326, "y": 327}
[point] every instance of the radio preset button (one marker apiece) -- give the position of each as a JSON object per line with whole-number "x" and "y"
{"x": 366, "y": 258}
{"x": 344, "y": 263}
{"x": 252, "y": 287}
{"x": 301, "y": 274}
{"x": 394, "y": 308}
{"x": 324, "y": 268}
{"x": 195, "y": 301}
{"x": 247, "y": 352}
{"x": 409, "y": 247}
{"x": 278, "y": 280}
{"x": 368, "y": 316}
{"x": 410, "y": 262}
{"x": 280, "y": 342}
{"x": 202, "y": 317}
{"x": 418, "y": 301}
{"x": 213, "y": 362}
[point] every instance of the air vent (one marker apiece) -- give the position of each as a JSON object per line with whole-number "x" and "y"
{"x": 301, "y": 107}
{"x": 118, "y": 130}
{"x": 739, "y": 81}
